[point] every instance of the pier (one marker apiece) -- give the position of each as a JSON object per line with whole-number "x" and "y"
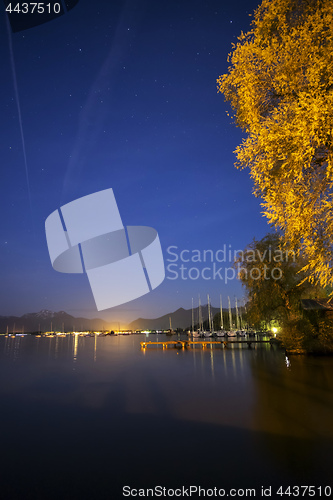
{"x": 183, "y": 344}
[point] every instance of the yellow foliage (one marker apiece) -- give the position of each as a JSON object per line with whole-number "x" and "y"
{"x": 280, "y": 84}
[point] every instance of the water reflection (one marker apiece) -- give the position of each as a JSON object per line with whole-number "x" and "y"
{"x": 233, "y": 362}
{"x": 212, "y": 362}
{"x": 12, "y": 346}
{"x": 176, "y": 405}
{"x": 56, "y": 347}
{"x": 288, "y": 364}
{"x": 95, "y": 348}
{"x": 295, "y": 409}
{"x": 76, "y": 343}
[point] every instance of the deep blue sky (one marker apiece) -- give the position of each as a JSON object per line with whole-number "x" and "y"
{"x": 122, "y": 95}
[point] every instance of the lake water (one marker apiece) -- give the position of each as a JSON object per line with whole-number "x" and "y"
{"x": 82, "y": 417}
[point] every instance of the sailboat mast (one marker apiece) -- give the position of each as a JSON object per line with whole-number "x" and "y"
{"x": 200, "y": 315}
{"x": 230, "y": 316}
{"x": 221, "y": 312}
{"x": 241, "y": 317}
{"x": 209, "y": 315}
{"x": 192, "y": 317}
{"x": 237, "y": 318}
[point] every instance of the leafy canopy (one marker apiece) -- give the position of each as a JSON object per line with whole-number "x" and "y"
{"x": 274, "y": 281}
{"x": 280, "y": 85}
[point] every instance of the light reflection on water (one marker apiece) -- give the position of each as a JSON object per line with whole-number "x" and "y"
{"x": 76, "y": 342}
{"x": 183, "y": 408}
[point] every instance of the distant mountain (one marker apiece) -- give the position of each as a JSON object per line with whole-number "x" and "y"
{"x": 182, "y": 318}
{"x": 41, "y": 321}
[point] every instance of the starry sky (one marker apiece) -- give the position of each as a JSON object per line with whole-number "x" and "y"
{"x": 122, "y": 94}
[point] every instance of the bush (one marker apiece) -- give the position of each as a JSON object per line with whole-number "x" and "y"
{"x": 302, "y": 334}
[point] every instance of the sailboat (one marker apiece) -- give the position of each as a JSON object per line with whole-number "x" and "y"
{"x": 240, "y": 331}
{"x": 221, "y": 332}
{"x": 231, "y": 332}
{"x": 208, "y": 333}
{"x": 170, "y": 331}
{"x": 190, "y": 332}
{"x": 201, "y": 332}
{"x": 193, "y": 333}
{"x": 213, "y": 332}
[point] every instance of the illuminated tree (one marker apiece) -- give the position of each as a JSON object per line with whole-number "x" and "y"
{"x": 280, "y": 85}
{"x": 274, "y": 281}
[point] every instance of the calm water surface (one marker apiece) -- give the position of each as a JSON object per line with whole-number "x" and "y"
{"x": 82, "y": 417}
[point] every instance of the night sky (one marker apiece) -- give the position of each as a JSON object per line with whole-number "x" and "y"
{"x": 122, "y": 95}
